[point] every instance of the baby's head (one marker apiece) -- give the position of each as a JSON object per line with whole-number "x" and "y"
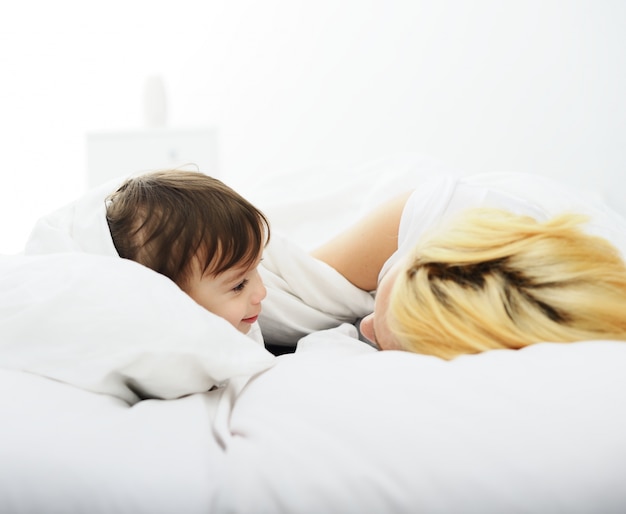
{"x": 493, "y": 279}
{"x": 198, "y": 232}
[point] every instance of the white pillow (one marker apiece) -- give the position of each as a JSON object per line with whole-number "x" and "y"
{"x": 112, "y": 326}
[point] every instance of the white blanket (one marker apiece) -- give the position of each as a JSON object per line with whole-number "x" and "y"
{"x": 304, "y": 295}
{"x": 80, "y": 226}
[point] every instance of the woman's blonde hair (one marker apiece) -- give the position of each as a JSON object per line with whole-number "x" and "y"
{"x": 499, "y": 280}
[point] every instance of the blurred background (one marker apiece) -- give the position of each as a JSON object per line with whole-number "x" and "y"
{"x": 249, "y": 89}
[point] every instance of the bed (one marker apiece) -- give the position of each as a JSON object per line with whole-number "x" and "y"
{"x": 121, "y": 395}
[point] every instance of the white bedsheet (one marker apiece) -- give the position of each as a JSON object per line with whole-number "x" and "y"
{"x": 336, "y": 427}
{"x": 66, "y": 450}
{"x": 340, "y": 428}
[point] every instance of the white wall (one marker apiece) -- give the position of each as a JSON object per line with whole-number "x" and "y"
{"x": 484, "y": 85}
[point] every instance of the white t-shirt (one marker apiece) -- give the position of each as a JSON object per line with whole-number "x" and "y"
{"x": 441, "y": 198}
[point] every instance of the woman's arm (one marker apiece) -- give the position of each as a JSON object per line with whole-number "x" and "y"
{"x": 359, "y": 252}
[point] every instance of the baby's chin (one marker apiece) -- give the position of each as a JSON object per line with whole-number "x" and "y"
{"x": 244, "y": 328}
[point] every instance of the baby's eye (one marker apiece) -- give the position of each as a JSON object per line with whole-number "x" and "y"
{"x": 240, "y": 287}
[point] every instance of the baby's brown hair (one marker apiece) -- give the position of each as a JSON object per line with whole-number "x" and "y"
{"x": 165, "y": 219}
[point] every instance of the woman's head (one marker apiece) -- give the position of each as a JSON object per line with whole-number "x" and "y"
{"x": 498, "y": 280}
{"x": 193, "y": 229}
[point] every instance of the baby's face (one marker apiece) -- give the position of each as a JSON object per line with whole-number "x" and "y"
{"x": 234, "y": 295}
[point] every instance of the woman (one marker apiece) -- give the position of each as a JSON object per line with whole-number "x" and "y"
{"x": 463, "y": 266}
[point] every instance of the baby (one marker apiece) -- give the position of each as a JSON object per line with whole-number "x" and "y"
{"x": 198, "y": 232}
